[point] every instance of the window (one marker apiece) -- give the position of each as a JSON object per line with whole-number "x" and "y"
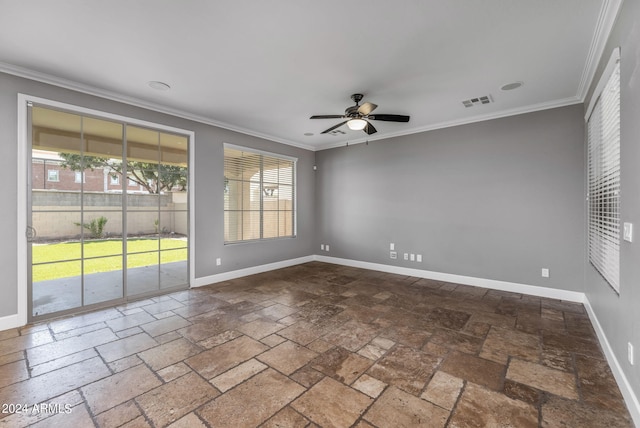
{"x": 603, "y": 140}
{"x": 53, "y": 175}
{"x": 115, "y": 179}
{"x": 259, "y": 195}
{"x": 79, "y": 177}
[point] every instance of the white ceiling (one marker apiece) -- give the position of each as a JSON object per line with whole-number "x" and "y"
{"x": 264, "y": 67}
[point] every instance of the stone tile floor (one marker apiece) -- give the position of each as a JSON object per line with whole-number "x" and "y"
{"x": 314, "y": 345}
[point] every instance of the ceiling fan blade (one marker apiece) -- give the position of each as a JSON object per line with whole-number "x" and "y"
{"x": 327, "y": 116}
{"x": 366, "y": 108}
{"x": 369, "y": 129}
{"x": 390, "y": 117}
{"x": 334, "y": 127}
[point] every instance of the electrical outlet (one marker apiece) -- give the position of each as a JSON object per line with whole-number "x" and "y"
{"x": 326, "y": 247}
{"x": 406, "y": 256}
{"x": 393, "y": 255}
{"x": 322, "y": 247}
{"x": 218, "y": 261}
{"x": 630, "y": 352}
{"x": 412, "y": 257}
{"x": 419, "y": 258}
{"x": 392, "y": 246}
{"x": 545, "y": 273}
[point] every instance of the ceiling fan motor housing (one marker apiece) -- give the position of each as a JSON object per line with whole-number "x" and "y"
{"x": 351, "y": 111}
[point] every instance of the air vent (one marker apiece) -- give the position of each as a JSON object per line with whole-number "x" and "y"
{"x": 477, "y": 101}
{"x": 337, "y": 132}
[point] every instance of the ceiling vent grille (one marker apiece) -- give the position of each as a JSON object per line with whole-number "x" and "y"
{"x": 486, "y": 99}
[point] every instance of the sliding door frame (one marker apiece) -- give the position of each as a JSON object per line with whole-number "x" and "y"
{"x": 24, "y": 154}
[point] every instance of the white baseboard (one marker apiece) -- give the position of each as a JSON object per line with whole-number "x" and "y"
{"x": 10, "y": 321}
{"x": 226, "y": 276}
{"x": 13, "y": 321}
{"x": 630, "y": 398}
{"x": 552, "y": 293}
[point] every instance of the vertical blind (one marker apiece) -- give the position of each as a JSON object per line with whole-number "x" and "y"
{"x": 603, "y": 135}
{"x": 259, "y": 196}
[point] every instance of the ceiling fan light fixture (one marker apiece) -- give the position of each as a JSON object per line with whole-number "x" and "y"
{"x": 357, "y": 124}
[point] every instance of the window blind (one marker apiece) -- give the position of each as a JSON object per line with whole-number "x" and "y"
{"x": 259, "y": 195}
{"x": 603, "y": 140}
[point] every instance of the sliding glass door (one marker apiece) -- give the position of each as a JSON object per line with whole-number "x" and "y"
{"x": 107, "y": 211}
{"x": 156, "y": 222}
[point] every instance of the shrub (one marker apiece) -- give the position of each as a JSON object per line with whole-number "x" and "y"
{"x": 95, "y": 227}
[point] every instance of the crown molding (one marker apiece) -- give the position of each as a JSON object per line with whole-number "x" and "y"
{"x": 113, "y": 96}
{"x": 136, "y": 102}
{"x": 448, "y": 124}
{"x": 606, "y": 20}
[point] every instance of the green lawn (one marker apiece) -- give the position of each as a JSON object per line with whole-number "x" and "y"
{"x": 108, "y": 253}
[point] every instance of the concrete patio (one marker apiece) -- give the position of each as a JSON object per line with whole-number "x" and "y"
{"x": 65, "y": 293}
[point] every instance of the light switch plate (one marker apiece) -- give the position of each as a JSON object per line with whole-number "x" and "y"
{"x": 628, "y": 232}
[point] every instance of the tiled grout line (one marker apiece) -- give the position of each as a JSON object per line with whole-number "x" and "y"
{"x": 364, "y": 412}
{"x": 269, "y": 303}
{"x": 452, "y": 412}
{"x": 576, "y": 377}
{"x": 85, "y": 403}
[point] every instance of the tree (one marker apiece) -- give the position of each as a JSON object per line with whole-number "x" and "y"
{"x": 152, "y": 177}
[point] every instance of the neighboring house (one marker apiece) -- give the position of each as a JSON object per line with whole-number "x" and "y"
{"x": 47, "y": 173}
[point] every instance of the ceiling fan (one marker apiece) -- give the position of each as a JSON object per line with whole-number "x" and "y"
{"x": 358, "y": 117}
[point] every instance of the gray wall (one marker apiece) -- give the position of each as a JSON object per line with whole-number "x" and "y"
{"x": 619, "y": 315}
{"x": 209, "y": 185}
{"x": 498, "y": 200}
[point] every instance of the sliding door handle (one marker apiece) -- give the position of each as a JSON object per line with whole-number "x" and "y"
{"x": 30, "y": 233}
